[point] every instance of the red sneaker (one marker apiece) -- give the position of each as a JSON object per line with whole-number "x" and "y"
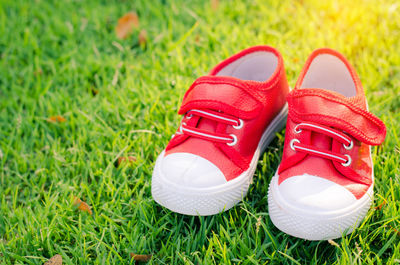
{"x": 324, "y": 184}
{"x": 229, "y": 117}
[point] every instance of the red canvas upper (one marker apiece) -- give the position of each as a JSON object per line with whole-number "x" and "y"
{"x": 346, "y": 117}
{"x": 255, "y": 103}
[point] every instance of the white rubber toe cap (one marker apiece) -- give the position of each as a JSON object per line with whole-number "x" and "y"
{"x": 315, "y": 194}
{"x": 314, "y": 208}
{"x": 189, "y": 170}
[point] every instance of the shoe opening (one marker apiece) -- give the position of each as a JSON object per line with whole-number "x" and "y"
{"x": 329, "y": 72}
{"x": 256, "y": 66}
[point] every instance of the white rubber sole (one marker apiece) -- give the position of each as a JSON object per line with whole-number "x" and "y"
{"x": 213, "y": 200}
{"x": 315, "y": 225}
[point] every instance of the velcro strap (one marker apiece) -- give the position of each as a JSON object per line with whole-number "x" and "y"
{"x": 221, "y": 94}
{"x": 331, "y": 109}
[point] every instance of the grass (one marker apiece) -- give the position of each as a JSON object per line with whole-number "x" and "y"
{"x": 120, "y": 99}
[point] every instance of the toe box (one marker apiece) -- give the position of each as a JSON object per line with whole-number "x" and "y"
{"x": 313, "y": 193}
{"x": 190, "y": 170}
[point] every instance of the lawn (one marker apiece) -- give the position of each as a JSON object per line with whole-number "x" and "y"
{"x": 74, "y": 98}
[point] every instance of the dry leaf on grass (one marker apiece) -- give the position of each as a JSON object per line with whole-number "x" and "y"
{"x": 333, "y": 243}
{"x": 143, "y": 258}
{"x": 125, "y": 158}
{"x": 359, "y": 250}
{"x": 258, "y": 224}
{"x": 197, "y": 38}
{"x": 82, "y": 206}
{"x": 38, "y": 72}
{"x": 142, "y": 37}
{"x": 57, "y": 118}
{"x": 214, "y": 4}
{"x": 94, "y": 91}
{"x": 379, "y": 207}
{"x": 395, "y": 230}
{"x": 55, "y": 260}
{"x": 126, "y": 24}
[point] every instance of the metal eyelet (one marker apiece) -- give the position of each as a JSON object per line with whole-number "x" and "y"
{"x": 180, "y": 127}
{"x": 296, "y": 130}
{"x": 350, "y": 146}
{"x": 239, "y": 126}
{"x": 234, "y": 140}
{"x": 292, "y": 143}
{"x": 189, "y": 116}
{"x": 348, "y": 161}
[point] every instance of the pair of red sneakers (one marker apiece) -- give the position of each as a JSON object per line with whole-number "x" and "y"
{"x": 324, "y": 184}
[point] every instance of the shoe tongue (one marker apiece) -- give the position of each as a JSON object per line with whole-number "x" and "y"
{"x": 332, "y": 109}
{"x": 222, "y": 93}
